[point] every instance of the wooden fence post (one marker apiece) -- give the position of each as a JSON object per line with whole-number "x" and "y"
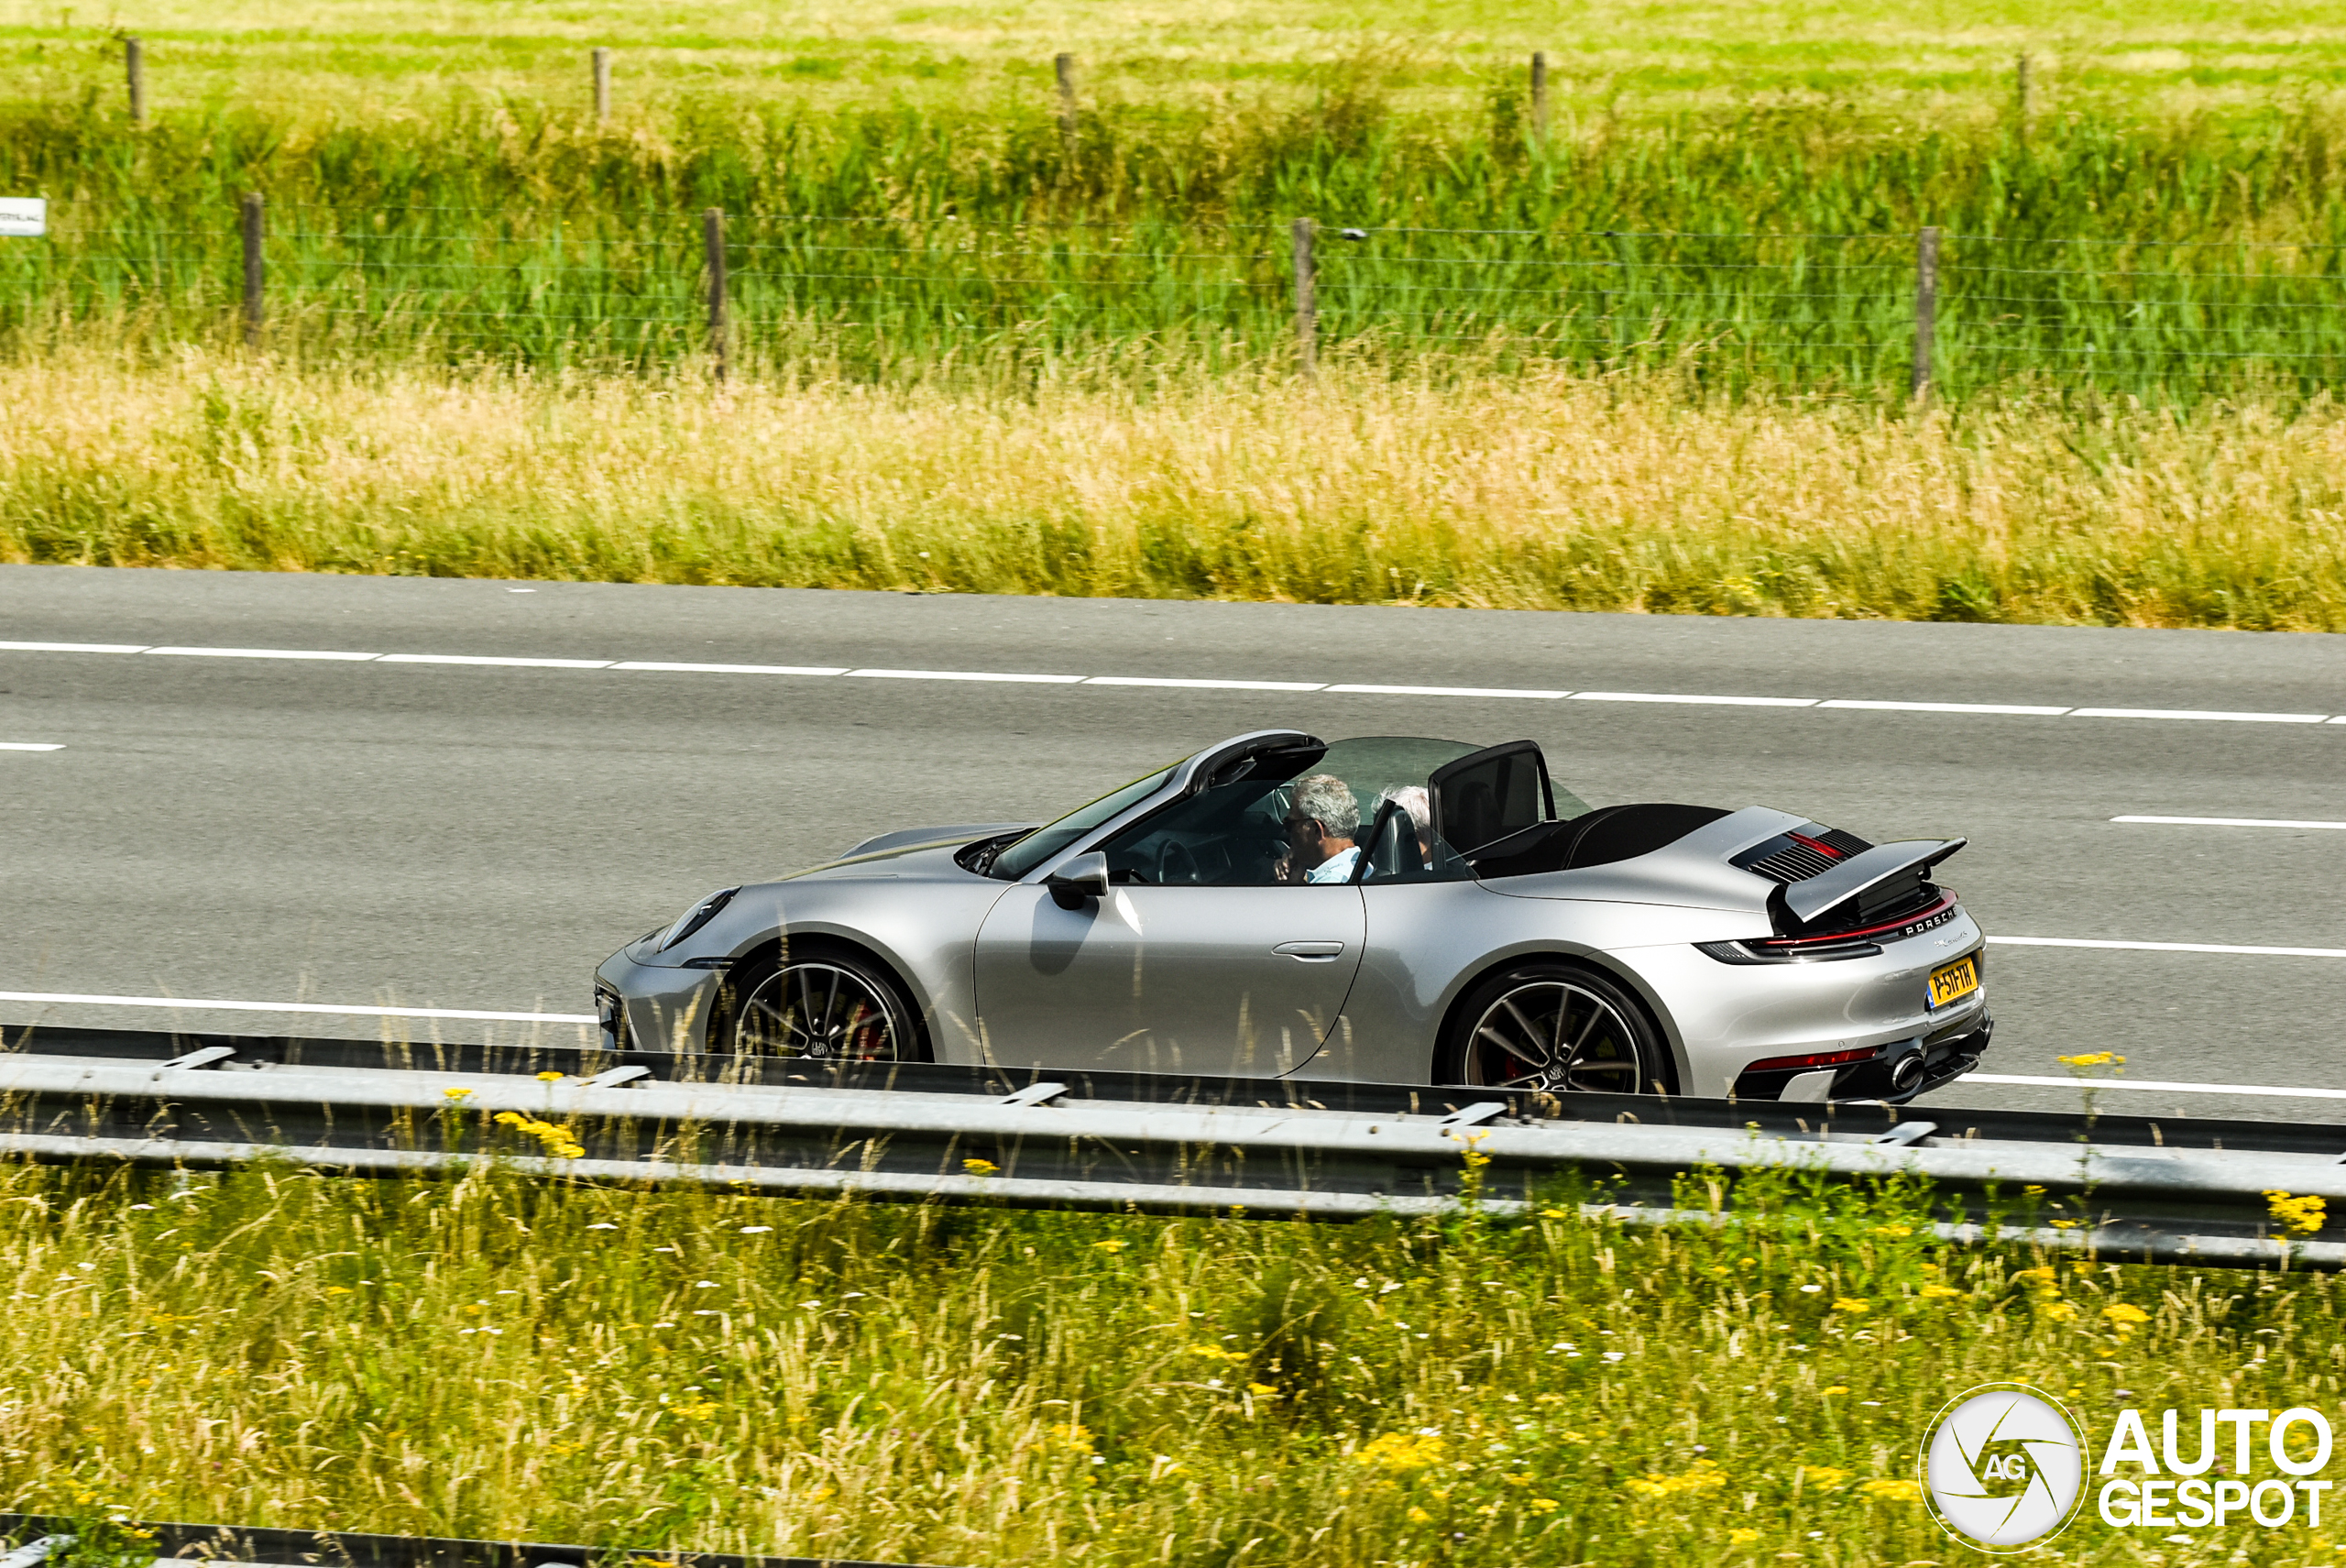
{"x": 1539, "y": 99}
{"x": 133, "y": 65}
{"x": 1926, "y": 308}
{"x": 254, "y": 316}
{"x": 2020, "y": 93}
{"x": 712, "y": 228}
{"x": 1307, "y": 301}
{"x": 1063, "y": 67}
{"x": 602, "y": 85}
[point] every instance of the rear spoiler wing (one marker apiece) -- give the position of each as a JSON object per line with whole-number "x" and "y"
{"x": 1810, "y": 901}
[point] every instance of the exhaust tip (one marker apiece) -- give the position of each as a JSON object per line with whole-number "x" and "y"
{"x": 1908, "y": 1072}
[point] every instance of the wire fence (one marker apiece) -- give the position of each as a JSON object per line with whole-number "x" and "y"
{"x": 1859, "y": 312}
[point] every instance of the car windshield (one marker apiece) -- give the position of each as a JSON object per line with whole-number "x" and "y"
{"x": 1024, "y": 854}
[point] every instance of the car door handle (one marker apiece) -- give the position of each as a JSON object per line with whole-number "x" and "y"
{"x": 1310, "y": 952}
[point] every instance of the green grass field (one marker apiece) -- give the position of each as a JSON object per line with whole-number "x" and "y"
{"x": 512, "y": 1358}
{"x": 1924, "y": 61}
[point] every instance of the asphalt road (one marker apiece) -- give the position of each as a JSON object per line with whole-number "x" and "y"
{"x": 469, "y": 836}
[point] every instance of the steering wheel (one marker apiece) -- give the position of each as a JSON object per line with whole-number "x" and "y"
{"x": 1176, "y": 865}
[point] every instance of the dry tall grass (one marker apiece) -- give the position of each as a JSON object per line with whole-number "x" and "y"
{"x": 1527, "y": 490}
{"x": 491, "y": 1356}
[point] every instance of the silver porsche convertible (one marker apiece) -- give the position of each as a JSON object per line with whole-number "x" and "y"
{"x": 1391, "y": 909}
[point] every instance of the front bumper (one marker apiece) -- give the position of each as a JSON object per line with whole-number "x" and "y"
{"x": 649, "y": 1007}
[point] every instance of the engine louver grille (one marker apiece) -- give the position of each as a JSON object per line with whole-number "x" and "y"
{"x": 1793, "y": 863}
{"x": 1802, "y": 854}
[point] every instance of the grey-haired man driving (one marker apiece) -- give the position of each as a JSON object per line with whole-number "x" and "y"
{"x": 1321, "y": 821}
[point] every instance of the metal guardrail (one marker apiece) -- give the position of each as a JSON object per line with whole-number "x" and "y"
{"x": 41, "y": 1538}
{"x": 2169, "y": 1189}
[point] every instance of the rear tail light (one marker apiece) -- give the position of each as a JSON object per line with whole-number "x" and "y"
{"x": 1823, "y": 947}
{"x": 1816, "y": 1060}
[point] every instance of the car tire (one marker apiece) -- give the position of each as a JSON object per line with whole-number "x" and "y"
{"x": 1553, "y": 1026}
{"x": 817, "y": 1002}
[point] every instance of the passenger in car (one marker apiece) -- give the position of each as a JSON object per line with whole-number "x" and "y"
{"x": 1411, "y": 798}
{"x": 1322, "y": 820}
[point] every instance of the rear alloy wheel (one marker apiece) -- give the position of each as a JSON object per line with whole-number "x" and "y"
{"x": 1556, "y": 1027}
{"x": 819, "y": 1006}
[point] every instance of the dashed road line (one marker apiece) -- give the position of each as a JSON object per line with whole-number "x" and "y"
{"x": 32, "y": 745}
{"x": 75, "y": 999}
{"x": 1185, "y": 683}
{"x": 2236, "y": 952}
{"x": 2232, "y": 822}
{"x": 2164, "y": 1086}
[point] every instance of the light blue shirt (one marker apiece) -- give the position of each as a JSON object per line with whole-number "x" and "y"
{"x": 1337, "y": 867}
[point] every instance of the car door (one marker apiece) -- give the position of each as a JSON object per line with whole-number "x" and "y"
{"x": 1206, "y": 955}
{"x": 1245, "y": 980}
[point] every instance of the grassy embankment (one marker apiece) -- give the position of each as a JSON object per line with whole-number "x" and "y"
{"x": 970, "y": 365}
{"x": 503, "y": 1358}
{"x": 1529, "y": 490}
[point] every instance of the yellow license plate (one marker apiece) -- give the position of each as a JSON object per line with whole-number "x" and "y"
{"x": 1956, "y": 980}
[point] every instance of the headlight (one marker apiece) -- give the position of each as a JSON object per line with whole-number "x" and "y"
{"x": 693, "y": 919}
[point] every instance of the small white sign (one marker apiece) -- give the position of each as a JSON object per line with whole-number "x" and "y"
{"x": 25, "y": 217}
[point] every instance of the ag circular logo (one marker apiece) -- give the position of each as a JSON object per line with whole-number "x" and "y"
{"x": 2003, "y": 1467}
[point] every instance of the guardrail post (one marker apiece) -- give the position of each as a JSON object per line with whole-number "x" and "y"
{"x": 1926, "y": 308}
{"x": 602, "y": 85}
{"x": 1063, "y": 67}
{"x": 133, "y": 66}
{"x": 712, "y": 229}
{"x": 1306, "y": 300}
{"x": 1540, "y": 98}
{"x": 253, "y": 276}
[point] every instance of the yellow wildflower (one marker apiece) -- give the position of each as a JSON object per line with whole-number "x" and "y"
{"x": 459, "y": 1095}
{"x": 1838, "y": 1388}
{"x": 549, "y": 1078}
{"x": 1825, "y": 1475}
{"x": 2093, "y": 1058}
{"x": 1852, "y": 1305}
{"x": 1542, "y": 1504}
{"x": 1883, "y": 1491}
{"x": 1403, "y": 1451}
{"x": 1418, "y": 1516}
{"x": 2125, "y": 1312}
{"x": 1740, "y": 1536}
{"x": 1703, "y": 1475}
{"x": 2303, "y": 1215}
{"x": 1111, "y": 1245}
{"x": 1937, "y": 1292}
{"x": 979, "y": 1167}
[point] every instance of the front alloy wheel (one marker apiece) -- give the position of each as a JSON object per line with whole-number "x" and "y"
{"x": 822, "y": 1009}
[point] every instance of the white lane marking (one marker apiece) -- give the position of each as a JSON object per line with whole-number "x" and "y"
{"x": 75, "y": 647}
{"x": 966, "y": 676}
{"x": 484, "y": 659}
{"x": 2161, "y": 1086}
{"x": 1946, "y": 707}
{"x": 1204, "y": 685}
{"x": 2168, "y": 946}
{"x": 2232, "y": 822}
{"x": 352, "y": 1009}
{"x": 732, "y": 669}
{"x": 31, "y": 746}
{"x": 1697, "y": 700}
{"x": 1676, "y": 697}
{"x": 1448, "y": 691}
{"x": 263, "y": 653}
{"x": 2198, "y": 713}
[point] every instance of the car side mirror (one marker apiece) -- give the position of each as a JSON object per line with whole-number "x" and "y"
{"x": 1085, "y": 876}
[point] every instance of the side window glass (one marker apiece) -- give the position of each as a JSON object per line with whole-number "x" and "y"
{"x": 1230, "y": 837}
